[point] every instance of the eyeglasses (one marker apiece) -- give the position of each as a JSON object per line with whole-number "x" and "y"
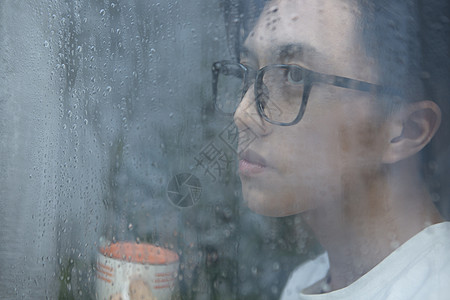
{"x": 281, "y": 91}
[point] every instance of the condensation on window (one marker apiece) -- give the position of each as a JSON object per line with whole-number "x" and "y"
{"x": 119, "y": 174}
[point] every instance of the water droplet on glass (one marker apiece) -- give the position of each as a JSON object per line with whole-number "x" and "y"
{"x": 276, "y": 266}
{"x": 394, "y": 244}
{"x": 274, "y": 289}
{"x": 435, "y": 197}
{"x": 254, "y": 270}
{"x": 46, "y": 44}
{"x": 130, "y": 226}
{"x": 102, "y": 12}
{"x": 171, "y": 115}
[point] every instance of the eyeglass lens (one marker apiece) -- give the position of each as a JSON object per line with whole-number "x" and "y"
{"x": 230, "y": 86}
{"x": 278, "y": 90}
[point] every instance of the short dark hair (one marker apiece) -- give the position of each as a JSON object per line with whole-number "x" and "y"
{"x": 389, "y": 33}
{"x": 240, "y": 16}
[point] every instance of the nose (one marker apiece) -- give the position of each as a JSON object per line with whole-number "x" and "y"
{"x": 247, "y": 117}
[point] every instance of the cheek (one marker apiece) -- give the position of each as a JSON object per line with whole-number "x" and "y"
{"x": 330, "y": 144}
{"x": 360, "y": 139}
{"x": 308, "y": 150}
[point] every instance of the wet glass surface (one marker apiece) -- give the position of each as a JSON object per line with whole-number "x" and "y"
{"x": 118, "y": 131}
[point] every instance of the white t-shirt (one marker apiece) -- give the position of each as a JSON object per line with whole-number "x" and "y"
{"x": 418, "y": 269}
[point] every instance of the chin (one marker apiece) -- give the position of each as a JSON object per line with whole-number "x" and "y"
{"x": 273, "y": 205}
{"x": 272, "y": 213}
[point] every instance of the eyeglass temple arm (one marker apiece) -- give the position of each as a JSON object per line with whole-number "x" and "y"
{"x": 353, "y": 84}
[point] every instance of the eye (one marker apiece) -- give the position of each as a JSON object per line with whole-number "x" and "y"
{"x": 295, "y": 75}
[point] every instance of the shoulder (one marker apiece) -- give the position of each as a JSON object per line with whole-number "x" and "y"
{"x": 419, "y": 269}
{"x": 426, "y": 272}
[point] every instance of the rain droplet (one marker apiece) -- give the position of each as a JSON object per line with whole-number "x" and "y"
{"x": 130, "y": 226}
{"x": 46, "y": 44}
{"x": 108, "y": 88}
{"x": 274, "y": 289}
{"x": 102, "y": 12}
{"x": 171, "y": 115}
{"x": 254, "y": 270}
{"x": 276, "y": 266}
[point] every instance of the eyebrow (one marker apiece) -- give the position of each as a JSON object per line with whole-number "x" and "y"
{"x": 286, "y": 52}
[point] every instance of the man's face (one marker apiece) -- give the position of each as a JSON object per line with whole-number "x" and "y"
{"x": 339, "y": 141}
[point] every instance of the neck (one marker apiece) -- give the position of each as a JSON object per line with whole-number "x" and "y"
{"x": 370, "y": 220}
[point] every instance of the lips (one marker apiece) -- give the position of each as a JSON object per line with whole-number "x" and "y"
{"x": 251, "y": 163}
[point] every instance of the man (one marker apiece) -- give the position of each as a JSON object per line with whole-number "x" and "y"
{"x": 338, "y": 118}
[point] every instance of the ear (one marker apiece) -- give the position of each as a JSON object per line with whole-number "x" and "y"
{"x": 411, "y": 129}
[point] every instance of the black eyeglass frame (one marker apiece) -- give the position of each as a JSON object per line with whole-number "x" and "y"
{"x": 309, "y": 77}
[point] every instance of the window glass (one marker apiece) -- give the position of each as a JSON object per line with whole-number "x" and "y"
{"x": 223, "y": 149}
